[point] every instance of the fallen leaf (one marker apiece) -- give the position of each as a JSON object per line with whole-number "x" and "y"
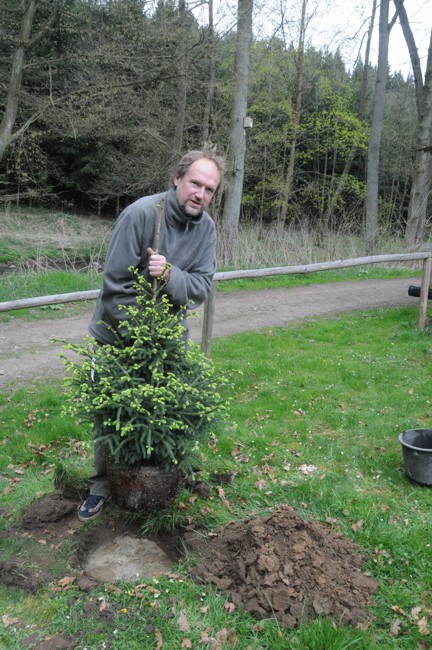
{"x": 395, "y": 627}
{"x": 214, "y": 645}
{"x": 204, "y": 609}
{"x": 186, "y": 643}
{"x": 221, "y": 495}
{"x": 357, "y": 526}
{"x": 159, "y": 640}
{"x": 307, "y": 469}
{"x": 411, "y": 391}
{"x": 103, "y": 605}
{"x": 229, "y": 607}
{"x": 227, "y": 637}
{"x": 182, "y": 622}
{"x": 331, "y": 521}
{"x": 9, "y": 620}
{"x": 415, "y": 613}
{"x": 399, "y": 610}
{"x": 67, "y": 580}
{"x": 423, "y": 626}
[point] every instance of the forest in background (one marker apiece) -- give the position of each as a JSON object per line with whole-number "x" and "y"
{"x": 112, "y": 92}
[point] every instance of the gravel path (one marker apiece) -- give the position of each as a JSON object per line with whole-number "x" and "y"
{"x": 27, "y": 352}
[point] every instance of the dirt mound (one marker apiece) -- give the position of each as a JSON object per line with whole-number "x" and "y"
{"x": 285, "y": 567}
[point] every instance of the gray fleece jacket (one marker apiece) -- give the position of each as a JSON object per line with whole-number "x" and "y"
{"x": 188, "y": 243}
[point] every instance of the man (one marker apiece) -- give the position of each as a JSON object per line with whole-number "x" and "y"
{"x": 186, "y": 258}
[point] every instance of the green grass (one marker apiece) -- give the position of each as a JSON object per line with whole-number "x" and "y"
{"x": 16, "y": 286}
{"x": 332, "y": 393}
{"x": 368, "y": 272}
{"x": 47, "y": 237}
{"x": 21, "y": 285}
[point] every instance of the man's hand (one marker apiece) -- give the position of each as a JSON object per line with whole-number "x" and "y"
{"x": 158, "y": 265}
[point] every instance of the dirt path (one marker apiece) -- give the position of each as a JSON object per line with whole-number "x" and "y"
{"x": 27, "y": 353}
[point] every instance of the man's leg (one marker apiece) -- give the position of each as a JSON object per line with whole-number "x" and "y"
{"x": 98, "y": 482}
{"x": 98, "y": 485}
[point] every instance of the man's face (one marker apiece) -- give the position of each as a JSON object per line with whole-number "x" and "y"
{"x": 196, "y": 188}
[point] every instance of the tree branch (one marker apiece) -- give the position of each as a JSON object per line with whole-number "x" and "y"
{"x": 40, "y": 35}
{"x": 413, "y": 52}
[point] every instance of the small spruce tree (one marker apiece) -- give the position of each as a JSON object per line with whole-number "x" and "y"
{"x": 152, "y": 396}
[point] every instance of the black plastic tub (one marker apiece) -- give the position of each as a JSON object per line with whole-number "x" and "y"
{"x": 417, "y": 454}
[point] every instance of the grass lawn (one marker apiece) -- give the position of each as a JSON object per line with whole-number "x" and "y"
{"x": 332, "y": 395}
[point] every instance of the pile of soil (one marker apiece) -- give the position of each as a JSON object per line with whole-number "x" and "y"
{"x": 283, "y": 566}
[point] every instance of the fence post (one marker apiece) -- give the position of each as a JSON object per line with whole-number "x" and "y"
{"x": 424, "y": 291}
{"x": 207, "y": 328}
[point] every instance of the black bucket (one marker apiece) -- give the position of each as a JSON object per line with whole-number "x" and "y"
{"x": 417, "y": 454}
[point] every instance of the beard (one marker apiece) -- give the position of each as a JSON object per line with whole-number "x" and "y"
{"x": 191, "y": 209}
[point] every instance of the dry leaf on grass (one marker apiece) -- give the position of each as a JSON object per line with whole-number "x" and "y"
{"x": 395, "y": 627}
{"x": 399, "y": 610}
{"x": 182, "y": 622}
{"x": 67, "y": 580}
{"x": 423, "y": 626}
{"x": 307, "y": 469}
{"x": 222, "y": 497}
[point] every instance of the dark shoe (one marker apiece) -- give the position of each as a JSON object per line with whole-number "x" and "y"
{"x": 91, "y": 508}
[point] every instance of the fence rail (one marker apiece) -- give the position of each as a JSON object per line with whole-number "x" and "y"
{"x": 209, "y": 306}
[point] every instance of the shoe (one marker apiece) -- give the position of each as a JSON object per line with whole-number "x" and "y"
{"x": 91, "y": 508}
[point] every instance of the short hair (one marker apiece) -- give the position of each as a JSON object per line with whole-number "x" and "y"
{"x": 190, "y": 157}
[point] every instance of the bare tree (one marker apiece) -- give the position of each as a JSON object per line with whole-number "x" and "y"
{"x": 376, "y": 131}
{"x": 361, "y": 112}
{"x": 237, "y": 141}
{"x": 296, "y": 114}
{"x": 422, "y": 177}
{"x": 212, "y": 76}
{"x": 181, "y": 81}
{"x": 25, "y": 43}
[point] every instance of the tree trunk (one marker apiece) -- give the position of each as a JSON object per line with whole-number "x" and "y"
{"x": 376, "y": 131}
{"x": 422, "y": 177}
{"x": 181, "y": 81}
{"x": 28, "y": 9}
{"x": 9, "y": 116}
{"x": 237, "y": 141}
{"x": 211, "y": 82}
{"x": 361, "y": 115}
{"x": 295, "y": 118}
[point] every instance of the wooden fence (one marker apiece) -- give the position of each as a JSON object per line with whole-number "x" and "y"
{"x": 209, "y": 306}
